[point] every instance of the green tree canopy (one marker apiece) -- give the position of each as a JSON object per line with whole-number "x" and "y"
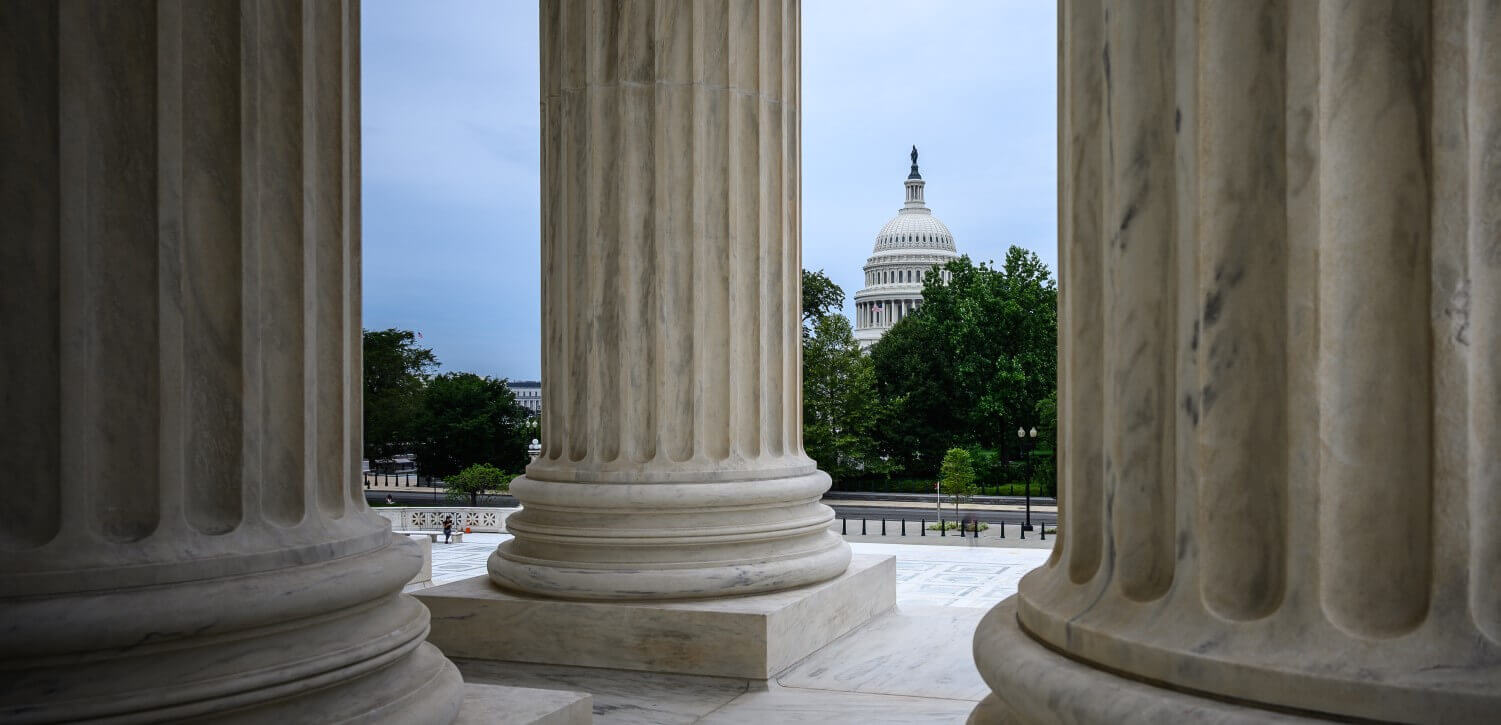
{"x": 970, "y": 365}
{"x": 468, "y": 419}
{"x": 820, "y": 297}
{"x": 396, "y": 370}
{"x": 475, "y": 480}
{"x": 840, "y": 407}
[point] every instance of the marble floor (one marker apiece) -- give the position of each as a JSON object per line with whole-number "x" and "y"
{"x": 943, "y": 576}
{"x": 911, "y": 664}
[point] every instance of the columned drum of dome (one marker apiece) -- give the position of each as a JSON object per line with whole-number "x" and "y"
{"x": 909, "y": 245}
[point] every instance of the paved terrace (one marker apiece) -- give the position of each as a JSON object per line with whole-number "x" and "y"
{"x": 912, "y": 664}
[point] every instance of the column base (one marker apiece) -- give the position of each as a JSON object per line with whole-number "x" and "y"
{"x": 1033, "y": 684}
{"x": 669, "y": 540}
{"x": 332, "y": 641}
{"x": 750, "y": 637}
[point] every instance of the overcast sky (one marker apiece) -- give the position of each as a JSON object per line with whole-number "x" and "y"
{"x": 450, "y": 140}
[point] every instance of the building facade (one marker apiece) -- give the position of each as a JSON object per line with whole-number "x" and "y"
{"x": 909, "y": 245}
{"x": 528, "y": 393}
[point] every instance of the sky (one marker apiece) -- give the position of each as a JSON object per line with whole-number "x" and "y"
{"x": 449, "y": 92}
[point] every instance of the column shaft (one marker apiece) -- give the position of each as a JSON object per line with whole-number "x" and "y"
{"x": 1277, "y": 391}
{"x": 181, "y": 293}
{"x": 671, "y": 273}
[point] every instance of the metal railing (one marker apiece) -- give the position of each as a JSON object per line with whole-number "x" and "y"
{"x": 965, "y": 528}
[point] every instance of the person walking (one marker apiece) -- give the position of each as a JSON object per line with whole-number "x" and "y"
{"x": 447, "y": 528}
{"x": 390, "y": 501}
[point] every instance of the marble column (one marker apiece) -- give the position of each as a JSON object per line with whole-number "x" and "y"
{"x": 672, "y": 463}
{"x": 1280, "y": 370}
{"x": 184, "y": 535}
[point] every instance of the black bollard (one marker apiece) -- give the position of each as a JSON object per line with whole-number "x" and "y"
{"x": 1042, "y": 531}
{"x": 904, "y": 527}
{"x": 1023, "y": 528}
{"x": 844, "y": 526}
{"x": 883, "y": 525}
{"x": 922, "y": 527}
{"x": 862, "y": 525}
{"x": 1002, "y": 525}
{"x": 942, "y": 530}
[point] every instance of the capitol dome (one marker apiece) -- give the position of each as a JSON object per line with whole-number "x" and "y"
{"x": 909, "y": 245}
{"x": 914, "y": 231}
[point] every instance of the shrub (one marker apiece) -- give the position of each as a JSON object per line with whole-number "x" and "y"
{"x": 475, "y": 480}
{"x": 952, "y": 525}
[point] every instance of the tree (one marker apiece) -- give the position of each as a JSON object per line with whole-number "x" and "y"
{"x": 840, "y": 407}
{"x": 969, "y": 366}
{"x": 475, "y": 480}
{"x": 468, "y": 419}
{"x": 396, "y": 370}
{"x": 1045, "y": 455}
{"x": 915, "y": 382}
{"x": 987, "y": 465}
{"x": 957, "y": 477}
{"x": 820, "y": 297}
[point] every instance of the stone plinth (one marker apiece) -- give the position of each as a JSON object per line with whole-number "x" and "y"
{"x": 425, "y": 545}
{"x": 1280, "y": 369}
{"x": 672, "y": 461}
{"x": 501, "y": 705}
{"x": 752, "y": 636}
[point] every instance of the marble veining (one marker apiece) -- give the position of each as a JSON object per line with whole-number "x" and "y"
{"x": 1275, "y": 225}
{"x": 672, "y": 462}
{"x": 181, "y": 310}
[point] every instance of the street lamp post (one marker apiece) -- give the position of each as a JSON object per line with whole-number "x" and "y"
{"x": 1028, "y": 439}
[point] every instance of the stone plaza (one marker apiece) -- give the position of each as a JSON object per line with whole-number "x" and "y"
{"x": 1279, "y": 383}
{"x": 911, "y": 663}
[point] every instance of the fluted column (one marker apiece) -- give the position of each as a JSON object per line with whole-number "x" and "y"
{"x": 672, "y": 462}
{"x": 1280, "y": 396}
{"x": 184, "y": 534}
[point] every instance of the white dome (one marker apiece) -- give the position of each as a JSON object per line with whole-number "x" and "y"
{"x": 908, "y": 248}
{"x": 915, "y": 231}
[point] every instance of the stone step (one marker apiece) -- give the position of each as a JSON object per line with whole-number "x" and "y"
{"x": 502, "y": 705}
